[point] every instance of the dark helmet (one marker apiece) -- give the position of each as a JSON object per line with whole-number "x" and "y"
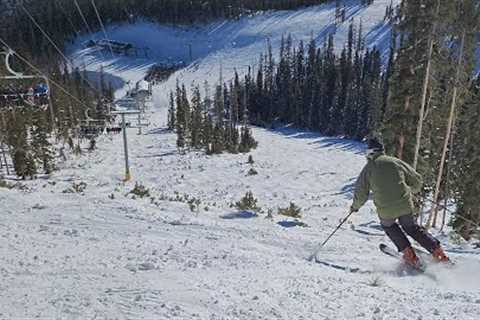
{"x": 375, "y": 144}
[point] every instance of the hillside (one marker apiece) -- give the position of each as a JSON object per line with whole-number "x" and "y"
{"x": 228, "y": 45}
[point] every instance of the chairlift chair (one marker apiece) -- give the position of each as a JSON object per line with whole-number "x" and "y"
{"x": 89, "y": 132}
{"x": 90, "y": 127}
{"x": 13, "y": 95}
{"x": 127, "y": 103}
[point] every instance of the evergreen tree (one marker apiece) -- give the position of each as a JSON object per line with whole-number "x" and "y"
{"x": 41, "y": 146}
{"x": 196, "y": 119}
{"x": 181, "y": 117}
{"x": 463, "y": 52}
{"x": 219, "y": 105}
{"x": 331, "y": 118}
{"x": 415, "y": 23}
{"x": 218, "y": 144}
{"x": 171, "y": 113}
{"x": 247, "y": 142}
{"x": 17, "y": 139}
{"x": 466, "y": 172}
{"x": 311, "y": 85}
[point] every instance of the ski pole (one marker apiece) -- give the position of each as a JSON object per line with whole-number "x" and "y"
{"x": 314, "y": 255}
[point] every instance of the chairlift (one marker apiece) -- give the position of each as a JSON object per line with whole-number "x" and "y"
{"x": 89, "y": 132}
{"x": 13, "y": 95}
{"x": 36, "y": 96}
{"x": 127, "y": 103}
{"x": 90, "y": 127}
{"x": 114, "y": 130}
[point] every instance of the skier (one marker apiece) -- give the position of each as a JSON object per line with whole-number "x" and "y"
{"x": 393, "y": 183}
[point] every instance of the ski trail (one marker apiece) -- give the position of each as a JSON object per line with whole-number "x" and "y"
{"x": 103, "y": 253}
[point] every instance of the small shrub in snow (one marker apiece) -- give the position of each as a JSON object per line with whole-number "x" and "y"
{"x": 70, "y": 143}
{"x": 250, "y": 160}
{"x": 76, "y": 188}
{"x": 92, "y": 145}
{"x": 269, "y": 214}
{"x": 5, "y": 184}
{"x": 79, "y": 187}
{"x": 77, "y": 150}
{"x": 376, "y": 282}
{"x": 194, "y": 204}
{"x": 178, "y": 197}
{"x": 291, "y": 211}
{"x": 247, "y": 203}
{"x": 140, "y": 191}
{"x": 252, "y": 172}
{"x": 456, "y": 239}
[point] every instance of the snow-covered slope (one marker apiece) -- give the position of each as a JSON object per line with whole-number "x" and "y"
{"x": 229, "y": 45}
{"x": 101, "y": 254}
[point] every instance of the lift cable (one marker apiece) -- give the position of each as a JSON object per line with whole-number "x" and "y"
{"x": 103, "y": 27}
{"x": 55, "y": 46}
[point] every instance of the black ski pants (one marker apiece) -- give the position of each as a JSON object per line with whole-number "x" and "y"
{"x": 410, "y": 227}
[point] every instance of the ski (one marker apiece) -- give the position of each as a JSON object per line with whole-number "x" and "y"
{"x": 342, "y": 268}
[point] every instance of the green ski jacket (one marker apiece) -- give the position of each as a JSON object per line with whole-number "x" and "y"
{"x": 392, "y": 182}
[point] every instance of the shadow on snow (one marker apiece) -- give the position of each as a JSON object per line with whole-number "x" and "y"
{"x": 239, "y": 215}
{"x": 321, "y": 140}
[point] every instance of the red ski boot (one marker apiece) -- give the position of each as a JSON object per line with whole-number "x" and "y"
{"x": 439, "y": 255}
{"x": 410, "y": 258}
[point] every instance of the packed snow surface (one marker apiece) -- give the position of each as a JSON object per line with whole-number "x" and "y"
{"x": 79, "y": 245}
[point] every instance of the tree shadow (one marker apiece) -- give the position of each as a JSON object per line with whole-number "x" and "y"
{"x": 292, "y": 224}
{"x": 348, "y": 190}
{"x": 239, "y": 215}
{"x": 159, "y": 155}
{"x": 322, "y": 141}
{"x": 372, "y": 225}
{"x": 378, "y": 37}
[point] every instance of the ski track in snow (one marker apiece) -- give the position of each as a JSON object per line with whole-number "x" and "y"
{"x": 101, "y": 254}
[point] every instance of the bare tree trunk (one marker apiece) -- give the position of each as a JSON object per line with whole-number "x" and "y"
{"x": 401, "y": 146}
{"x": 447, "y": 184}
{"x": 451, "y": 119}
{"x": 426, "y": 84}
